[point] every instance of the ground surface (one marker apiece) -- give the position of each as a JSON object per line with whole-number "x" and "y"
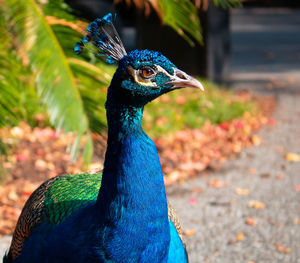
{"x": 266, "y": 60}
{"x": 221, "y": 225}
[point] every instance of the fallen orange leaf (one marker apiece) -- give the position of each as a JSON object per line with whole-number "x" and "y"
{"x": 189, "y": 232}
{"x": 297, "y": 187}
{"x": 256, "y": 140}
{"x": 250, "y": 221}
{"x": 217, "y": 183}
{"x": 282, "y": 249}
{"x": 240, "y": 236}
{"x": 280, "y": 176}
{"x": 292, "y": 157}
{"x": 252, "y": 171}
{"x": 256, "y": 204}
{"x": 241, "y": 191}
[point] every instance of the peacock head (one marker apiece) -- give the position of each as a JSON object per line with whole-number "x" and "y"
{"x": 145, "y": 75}
{"x": 142, "y": 75}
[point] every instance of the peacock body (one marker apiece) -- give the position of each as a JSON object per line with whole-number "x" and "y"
{"x": 68, "y": 219}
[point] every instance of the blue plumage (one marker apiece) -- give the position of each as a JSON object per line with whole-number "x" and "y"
{"x": 128, "y": 221}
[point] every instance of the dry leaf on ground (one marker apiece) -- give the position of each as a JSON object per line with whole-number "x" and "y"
{"x": 297, "y": 187}
{"x": 252, "y": 171}
{"x": 292, "y": 157}
{"x": 250, "y": 221}
{"x": 216, "y": 183}
{"x": 256, "y": 204}
{"x": 280, "y": 176}
{"x": 265, "y": 175}
{"x": 240, "y": 236}
{"x": 256, "y": 140}
{"x": 241, "y": 191}
{"x": 189, "y": 232}
{"x": 282, "y": 249}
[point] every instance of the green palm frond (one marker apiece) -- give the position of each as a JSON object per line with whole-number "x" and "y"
{"x": 92, "y": 81}
{"x": 55, "y": 81}
{"x": 182, "y": 16}
{"x": 10, "y": 83}
{"x": 58, "y": 9}
{"x": 228, "y": 3}
{"x": 9, "y": 97}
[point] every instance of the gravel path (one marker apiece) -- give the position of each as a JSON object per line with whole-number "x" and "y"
{"x": 266, "y": 60}
{"x": 219, "y": 215}
{"x": 265, "y": 47}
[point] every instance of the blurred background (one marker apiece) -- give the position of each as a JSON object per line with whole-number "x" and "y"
{"x": 237, "y": 204}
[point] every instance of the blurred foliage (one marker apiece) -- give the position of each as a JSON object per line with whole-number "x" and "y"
{"x": 40, "y": 75}
{"x": 18, "y": 99}
{"x": 182, "y": 16}
{"x": 228, "y": 3}
{"x": 190, "y": 108}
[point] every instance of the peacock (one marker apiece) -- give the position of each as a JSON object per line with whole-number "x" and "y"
{"x": 122, "y": 213}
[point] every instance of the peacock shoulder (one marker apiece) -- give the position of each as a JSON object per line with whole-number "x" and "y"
{"x": 53, "y": 201}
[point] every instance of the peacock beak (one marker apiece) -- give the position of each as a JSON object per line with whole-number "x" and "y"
{"x": 182, "y": 80}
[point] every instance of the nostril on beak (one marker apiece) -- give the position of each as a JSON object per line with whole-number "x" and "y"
{"x": 181, "y": 75}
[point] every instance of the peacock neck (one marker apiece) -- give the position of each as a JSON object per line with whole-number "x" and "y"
{"x": 132, "y": 195}
{"x": 131, "y": 157}
{"x": 123, "y": 120}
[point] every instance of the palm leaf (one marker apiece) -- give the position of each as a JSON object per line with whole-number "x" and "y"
{"x": 9, "y": 79}
{"x": 92, "y": 82}
{"x": 228, "y": 3}
{"x": 183, "y": 18}
{"x": 55, "y": 81}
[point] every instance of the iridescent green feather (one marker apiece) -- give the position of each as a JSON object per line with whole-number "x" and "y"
{"x": 69, "y": 193}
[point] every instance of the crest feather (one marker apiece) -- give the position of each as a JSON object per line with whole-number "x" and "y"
{"x": 102, "y": 33}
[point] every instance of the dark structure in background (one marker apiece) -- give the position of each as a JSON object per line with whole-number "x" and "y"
{"x": 272, "y": 3}
{"x": 210, "y": 60}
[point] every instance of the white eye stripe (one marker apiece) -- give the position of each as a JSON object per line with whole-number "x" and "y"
{"x": 162, "y": 70}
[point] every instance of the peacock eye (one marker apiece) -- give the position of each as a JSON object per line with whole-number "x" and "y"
{"x": 146, "y": 72}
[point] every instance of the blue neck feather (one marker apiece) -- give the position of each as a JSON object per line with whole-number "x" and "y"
{"x": 132, "y": 196}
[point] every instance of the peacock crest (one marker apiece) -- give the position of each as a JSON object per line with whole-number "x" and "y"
{"x": 102, "y": 33}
